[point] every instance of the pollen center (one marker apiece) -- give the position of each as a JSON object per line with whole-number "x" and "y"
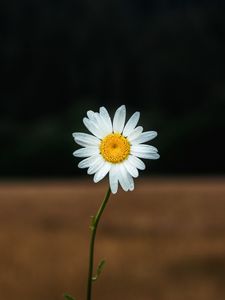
{"x": 115, "y": 148}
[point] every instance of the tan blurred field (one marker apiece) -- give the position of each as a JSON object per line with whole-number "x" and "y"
{"x": 164, "y": 241}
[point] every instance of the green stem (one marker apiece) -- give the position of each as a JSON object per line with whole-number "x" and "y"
{"x": 94, "y": 226}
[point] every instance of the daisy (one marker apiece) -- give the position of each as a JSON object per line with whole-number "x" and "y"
{"x": 114, "y": 147}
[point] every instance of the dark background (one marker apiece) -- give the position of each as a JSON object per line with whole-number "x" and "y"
{"x": 62, "y": 58}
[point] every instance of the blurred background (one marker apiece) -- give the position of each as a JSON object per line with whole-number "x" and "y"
{"x": 162, "y": 58}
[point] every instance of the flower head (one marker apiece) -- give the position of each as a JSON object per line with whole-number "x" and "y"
{"x": 114, "y": 147}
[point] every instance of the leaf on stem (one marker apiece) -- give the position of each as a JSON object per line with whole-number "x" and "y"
{"x": 68, "y": 297}
{"x": 99, "y": 269}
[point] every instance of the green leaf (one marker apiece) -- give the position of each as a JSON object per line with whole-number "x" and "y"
{"x": 68, "y": 297}
{"x": 99, "y": 269}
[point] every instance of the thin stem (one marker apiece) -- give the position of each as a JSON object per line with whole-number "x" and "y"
{"x": 94, "y": 226}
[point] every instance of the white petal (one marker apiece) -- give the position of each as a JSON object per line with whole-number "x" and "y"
{"x": 85, "y": 152}
{"x": 96, "y": 165}
{"x": 97, "y": 119}
{"x": 135, "y": 133}
{"x": 87, "y": 162}
{"x": 91, "y": 115}
{"x": 135, "y": 161}
{"x": 107, "y": 120}
{"x": 119, "y": 119}
{"x": 145, "y": 137}
{"x": 146, "y": 155}
{"x": 85, "y": 139}
{"x": 131, "y": 182}
{"x": 131, "y": 168}
{"x": 93, "y": 128}
{"x": 144, "y": 148}
{"x": 128, "y": 179}
{"x": 101, "y": 124}
{"x": 123, "y": 179}
{"x": 131, "y": 124}
{"x": 113, "y": 178}
{"x": 102, "y": 172}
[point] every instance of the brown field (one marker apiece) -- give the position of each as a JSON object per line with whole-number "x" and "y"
{"x": 164, "y": 241}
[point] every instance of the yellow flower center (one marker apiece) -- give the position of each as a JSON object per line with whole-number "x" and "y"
{"x": 115, "y": 148}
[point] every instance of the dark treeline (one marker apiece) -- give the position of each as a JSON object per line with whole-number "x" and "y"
{"x": 61, "y": 58}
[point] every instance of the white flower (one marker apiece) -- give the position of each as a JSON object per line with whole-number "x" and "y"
{"x": 114, "y": 147}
